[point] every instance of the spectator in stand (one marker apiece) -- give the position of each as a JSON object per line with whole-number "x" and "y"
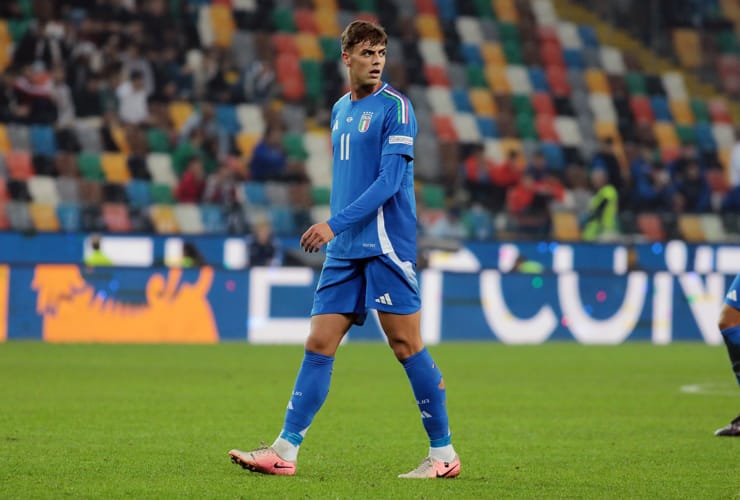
{"x": 263, "y": 248}
{"x": 503, "y": 176}
{"x": 601, "y": 220}
{"x": 678, "y": 167}
{"x": 528, "y": 206}
{"x": 222, "y": 186}
{"x": 269, "y": 160}
{"x": 448, "y": 226}
{"x": 216, "y": 138}
{"x": 34, "y": 90}
{"x": 651, "y": 183}
{"x": 132, "y": 97}
{"x": 192, "y": 183}
{"x": 606, "y": 159}
{"x": 477, "y": 170}
{"x": 88, "y": 101}
{"x": 735, "y": 160}
{"x": 577, "y": 184}
{"x": 693, "y": 190}
{"x": 258, "y": 81}
{"x": 62, "y": 97}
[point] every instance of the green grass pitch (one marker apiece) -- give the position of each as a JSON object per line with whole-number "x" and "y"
{"x": 558, "y": 420}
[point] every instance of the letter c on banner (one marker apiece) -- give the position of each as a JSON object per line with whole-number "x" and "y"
{"x": 507, "y": 327}
{"x": 605, "y": 331}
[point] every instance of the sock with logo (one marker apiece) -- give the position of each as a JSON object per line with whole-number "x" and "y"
{"x": 429, "y": 391}
{"x": 309, "y": 393}
{"x": 732, "y": 341}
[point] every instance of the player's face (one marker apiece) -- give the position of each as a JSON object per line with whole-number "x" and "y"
{"x": 365, "y": 63}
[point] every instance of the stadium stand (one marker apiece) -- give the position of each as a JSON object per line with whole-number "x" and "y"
{"x": 532, "y": 76}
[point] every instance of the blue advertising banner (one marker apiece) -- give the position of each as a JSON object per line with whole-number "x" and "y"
{"x": 71, "y": 303}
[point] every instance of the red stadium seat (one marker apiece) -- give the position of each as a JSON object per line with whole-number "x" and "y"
{"x": 558, "y": 80}
{"x": 543, "y": 104}
{"x": 545, "y": 125}
{"x": 445, "y": 128}
{"x": 651, "y": 227}
{"x": 115, "y": 217}
{"x": 436, "y": 75}
{"x": 641, "y": 109}
{"x": 19, "y": 165}
{"x": 305, "y": 21}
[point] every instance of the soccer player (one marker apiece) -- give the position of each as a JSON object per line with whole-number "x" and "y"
{"x": 729, "y": 325}
{"x": 370, "y": 261}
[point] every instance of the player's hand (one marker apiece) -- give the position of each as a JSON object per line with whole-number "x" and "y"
{"x": 316, "y": 236}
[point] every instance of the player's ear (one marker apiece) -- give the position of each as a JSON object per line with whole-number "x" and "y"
{"x": 345, "y": 58}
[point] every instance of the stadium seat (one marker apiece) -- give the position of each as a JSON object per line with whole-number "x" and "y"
{"x": 43, "y": 189}
{"x": 19, "y": 165}
{"x": 162, "y": 194}
{"x": 651, "y": 227}
{"x": 690, "y": 228}
{"x": 160, "y": 168}
{"x": 43, "y": 140}
{"x": 139, "y": 193}
{"x": 250, "y": 119}
{"x": 213, "y": 219}
{"x": 4, "y": 140}
{"x": 44, "y": 217}
{"x": 116, "y": 217}
{"x": 115, "y": 167}
{"x": 189, "y": 220}
{"x": 283, "y": 222}
{"x": 179, "y": 112}
{"x": 163, "y": 219}
{"x": 18, "y": 216}
{"x": 255, "y": 194}
{"x": 68, "y": 214}
{"x": 565, "y": 226}
{"x": 90, "y": 166}
{"x": 482, "y": 102}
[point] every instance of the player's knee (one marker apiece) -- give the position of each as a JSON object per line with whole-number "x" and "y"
{"x": 320, "y": 345}
{"x": 404, "y": 348}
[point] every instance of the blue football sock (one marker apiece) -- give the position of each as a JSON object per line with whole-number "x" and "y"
{"x": 732, "y": 341}
{"x": 429, "y": 390}
{"x": 309, "y": 393}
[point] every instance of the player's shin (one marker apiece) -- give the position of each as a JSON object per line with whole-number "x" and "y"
{"x": 429, "y": 390}
{"x": 732, "y": 341}
{"x": 309, "y": 393}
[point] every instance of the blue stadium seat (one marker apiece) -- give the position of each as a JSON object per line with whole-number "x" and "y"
{"x": 539, "y": 79}
{"x": 574, "y": 58}
{"x": 43, "y": 140}
{"x": 446, "y": 9}
{"x": 554, "y": 155}
{"x": 660, "y": 108}
{"x": 213, "y": 219}
{"x": 283, "y": 222}
{"x": 139, "y": 193}
{"x": 462, "y": 101}
{"x": 227, "y": 118}
{"x": 471, "y": 54}
{"x": 256, "y": 194}
{"x": 705, "y": 138}
{"x": 588, "y": 36}
{"x": 487, "y": 127}
{"x": 69, "y": 217}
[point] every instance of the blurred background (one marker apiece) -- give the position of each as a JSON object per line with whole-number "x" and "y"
{"x": 555, "y": 137}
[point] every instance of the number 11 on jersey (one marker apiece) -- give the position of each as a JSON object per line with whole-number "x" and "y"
{"x": 344, "y": 146}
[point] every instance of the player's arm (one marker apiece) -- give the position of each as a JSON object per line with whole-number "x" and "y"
{"x": 388, "y": 182}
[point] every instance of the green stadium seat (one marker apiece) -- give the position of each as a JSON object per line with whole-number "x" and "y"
{"x": 282, "y": 18}
{"x": 162, "y": 194}
{"x": 636, "y": 83}
{"x": 433, "y": 195}
{"x": 90, "y": 166}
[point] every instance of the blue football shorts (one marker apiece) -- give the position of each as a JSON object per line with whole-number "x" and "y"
{"x": 732, "y": 297}
{"x": 352, "y": 286}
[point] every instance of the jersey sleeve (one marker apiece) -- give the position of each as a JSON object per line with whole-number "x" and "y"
{"x": 399, "y": 127}
{"x": 388, "y": 182}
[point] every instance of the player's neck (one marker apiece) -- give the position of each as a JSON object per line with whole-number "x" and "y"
{"x": 358, "y": 92}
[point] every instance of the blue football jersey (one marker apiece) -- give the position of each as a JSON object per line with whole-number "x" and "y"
{"x": 364, "y": 131}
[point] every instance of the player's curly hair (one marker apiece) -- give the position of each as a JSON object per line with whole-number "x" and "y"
{"x": 359, "y": 31}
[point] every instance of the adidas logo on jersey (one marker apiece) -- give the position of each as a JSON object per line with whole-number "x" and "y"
{"x": 385, "y": 299}
{"x": 732, "y": 295}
